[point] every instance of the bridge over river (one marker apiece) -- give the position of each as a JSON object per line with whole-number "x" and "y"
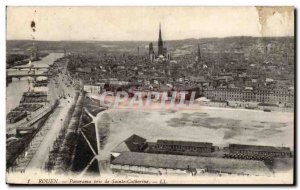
{"x": 23, "y": 73}
{"x": 26, "y": 67}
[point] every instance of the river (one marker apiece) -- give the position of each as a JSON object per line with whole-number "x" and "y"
{"x": 15, "y": 89}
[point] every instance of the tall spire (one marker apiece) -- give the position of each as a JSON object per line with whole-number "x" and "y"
{"x": 198, "y": 53}
{"x": 159, "y": 38}
{"x": 160, "y": 42}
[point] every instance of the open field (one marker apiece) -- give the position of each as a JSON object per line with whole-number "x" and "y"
{"x": 216, "y": 125}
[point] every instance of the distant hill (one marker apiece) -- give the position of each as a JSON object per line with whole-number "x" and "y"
{"x": 131, "y": 46}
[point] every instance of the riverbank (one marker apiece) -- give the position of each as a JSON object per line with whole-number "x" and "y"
{"x": 17, "y": 87}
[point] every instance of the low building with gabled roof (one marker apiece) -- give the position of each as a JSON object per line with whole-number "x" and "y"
{"x": 134, "y": 143}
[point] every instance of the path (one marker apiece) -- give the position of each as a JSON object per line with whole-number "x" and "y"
{"x": 40, "y": 157}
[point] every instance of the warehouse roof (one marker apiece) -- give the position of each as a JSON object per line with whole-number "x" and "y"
{"x": 134, "y": 143}
{"x": 258, "y": 148}
{"x": 184, "y": 143}
{"x": 251, "y": 167}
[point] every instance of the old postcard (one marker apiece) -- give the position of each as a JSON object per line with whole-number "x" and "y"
{"x": 150, "y": 95}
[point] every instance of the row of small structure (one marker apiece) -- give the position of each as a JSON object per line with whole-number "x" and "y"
{"x": 183, "y": 156}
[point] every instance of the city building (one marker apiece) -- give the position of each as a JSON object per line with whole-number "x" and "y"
{"x": 134, "y": 143}
{"x": 180, "y": 147}
{"x": 260, "y": 152}
{"x": 279, "y": 97}
{"x": 93, "y": 89}
{"x": 137, "y": 155}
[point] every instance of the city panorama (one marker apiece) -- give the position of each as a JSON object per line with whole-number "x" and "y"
{"x": 150, "y": 95}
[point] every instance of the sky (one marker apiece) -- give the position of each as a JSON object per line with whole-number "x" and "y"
{"x": 142, "y": 23}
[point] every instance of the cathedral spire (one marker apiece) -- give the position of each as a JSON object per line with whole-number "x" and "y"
{"x": 159, "y": 38}
{"x": 160, "y": 42}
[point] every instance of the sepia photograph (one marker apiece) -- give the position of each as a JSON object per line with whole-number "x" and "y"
{"x": 155, "y": 95}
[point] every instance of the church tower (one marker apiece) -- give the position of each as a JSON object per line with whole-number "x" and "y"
{"x": 160, "y": 43}
{"x": 198, "y": 57}
{"x": 151, "y": 51}
{"x": 199, "y": 54}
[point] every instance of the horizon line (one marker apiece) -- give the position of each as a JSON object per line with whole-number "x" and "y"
{"x": 148, "y": 40}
